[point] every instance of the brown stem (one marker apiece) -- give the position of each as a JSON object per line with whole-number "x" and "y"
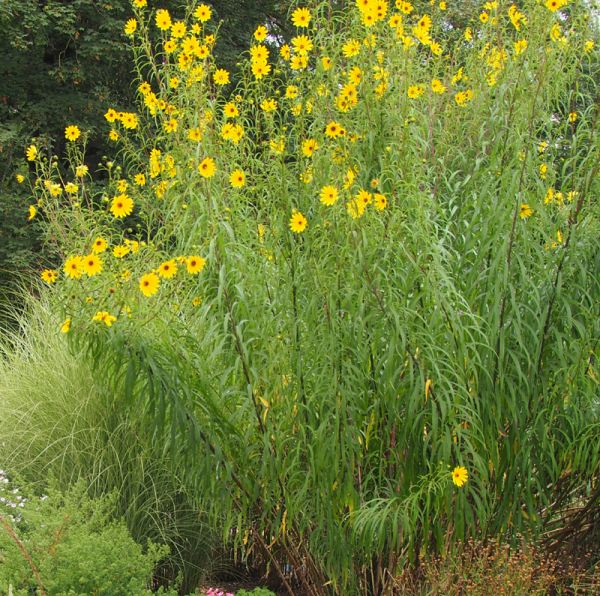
{"x": 511, "y": 240}
{"x": 274, "y": 561}
{"x": 13, "y": 535}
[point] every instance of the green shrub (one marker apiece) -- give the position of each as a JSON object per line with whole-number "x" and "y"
{"x": 58, "y": 419}
{"x": 70, "y": 544}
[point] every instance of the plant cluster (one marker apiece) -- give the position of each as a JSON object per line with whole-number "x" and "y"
{"x": 65, "y": 543}
{"x": 494, "y": 568}
{"x": 354, "y": 297}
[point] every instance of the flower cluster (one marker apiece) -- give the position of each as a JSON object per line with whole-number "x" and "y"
{"x": 304, "y": 108}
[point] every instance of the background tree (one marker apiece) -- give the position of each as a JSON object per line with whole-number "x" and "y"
{"x": 64, "y": 62}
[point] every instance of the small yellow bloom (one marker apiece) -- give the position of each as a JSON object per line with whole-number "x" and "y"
{"x": 91, "y": 264}
{"x": 520, "y": 46}
{"x": 149, "y": 284}
{"x": 269, "y": 104}
{"x": 301, "y": 17}
{"x": 554, "y": 5}
{"x": 351, "y": 48}
{"x": 207, "y": 167}
{"x": 260, "y": 69}
{"x": 66, "y": 326}
{"x": 298, "y": 222}
{"x": 31, "y": 153}
{"x": 326, "y": 62}
{"x": 104, "y": 317}
{"x": 120, "y": 251}
{"x": 129, "y": 120}
{"x": 72, "y": 267}
{"x": 309, "y": 146}
{"x": 415, "y": 91}
{"x": 168, "y": 269}
{"x": 230, "y": 110}
{"x": 195, "y": 264}
{"x": 329, "y": 195}
{"x": 221, "y": 77}
{"x": 525, "y": 211}
{"x": 163, "y": 19}
{"x": 72, "y": 133}
{"x": 260, "y": 33}
{"x": 130, "y": 27}
{"x": 237, "y": 179}
{"x": 203, "y": 13}
{"x": 437, "y": 86}
{"x": 111, "y": 115}
{"x": 302, "y": 45}
{"x": 178, "y": 29}
{"x": 194, "y": 134}
{"x": 99, "y": 245}
{"x": 334, "y": 130}
{"x": 380, "y": 201}
{"x": 121, "y": 206}
{"x": 81, "y": 171}
{"x": 460, "y": 476}
{"x": 171, "y": 125}
{"x": 49, "y": 275}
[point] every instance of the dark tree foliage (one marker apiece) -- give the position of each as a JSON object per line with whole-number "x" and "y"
{"x": 64, "y": 62}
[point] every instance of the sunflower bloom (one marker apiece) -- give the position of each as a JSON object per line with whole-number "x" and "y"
{"x": 73, "y": 268}
{"x": 168, "y": 269}
{"x": 149, "y": 284}
{"x": 301, "y": 17}
{"x": 163, "y": 19}
{"x": 460, "y": 475}
{"x": 31, "y": 153}
{"x": 207, "y": 167}
{"x": 91, "y": 264}
{"x": 99, "y": 245}
{"x": 203, "y": 13}
{"x": 130, "y": 27}
{"x": 298, "y": 222}
{"x": 221, "y": 77}
{"x": 195, "y": 264}
{"x": 49, "y": 275}
{"x": 104, "y": 317}
{"x": 525, "y": 211}
{"x": 72, "y": 133}
{"x": 329, "y": 195}
{"x": 237, "y": 179}
{"x": 121, "y": 206}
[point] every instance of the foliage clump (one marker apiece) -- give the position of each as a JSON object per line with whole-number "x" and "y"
{"x": 66, "y": 543}
{"x": 355, "y": 294}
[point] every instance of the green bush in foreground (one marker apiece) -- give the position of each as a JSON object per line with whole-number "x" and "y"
{"x": 68, "y": 544}
{"x": 58, "y": 420}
